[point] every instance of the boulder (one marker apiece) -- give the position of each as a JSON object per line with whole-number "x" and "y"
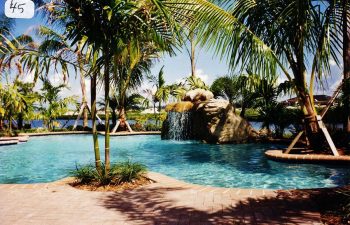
{"x": 198, "y": 95}
{"x": 212, "y": 121}
{"x": 179, "y": 107}
{"x": 215, "y": 121}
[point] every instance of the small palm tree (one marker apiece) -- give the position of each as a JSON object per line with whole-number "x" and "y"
{"x": 51, "y": 104}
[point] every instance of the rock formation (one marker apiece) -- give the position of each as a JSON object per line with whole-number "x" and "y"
{"x": 211, "y": 120}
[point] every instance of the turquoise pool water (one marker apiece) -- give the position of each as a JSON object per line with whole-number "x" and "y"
{"x": 45, "y": 159}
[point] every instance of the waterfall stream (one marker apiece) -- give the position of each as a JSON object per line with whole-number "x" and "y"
{"x": 180, "y": 125}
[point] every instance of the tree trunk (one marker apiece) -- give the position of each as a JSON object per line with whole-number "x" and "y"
{"x": 114, "y": 117}
{"x": 346, "y": 58}
{"x": 193, "y": 55}
{"x": 83, "y": 90}
{"x": 242, "y": 114}
{"x": 94, "y": 129}
{"x": 10, "y": 125}
{"x": 85, "y": 117}
{"x": 313, "y": 131}
{"x": 107, "y": 111}
{"x": 20, "y": 121}
{"x": 159, "y": 110}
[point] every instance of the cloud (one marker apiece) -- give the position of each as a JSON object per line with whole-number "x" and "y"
{"x": 207, "y": 79}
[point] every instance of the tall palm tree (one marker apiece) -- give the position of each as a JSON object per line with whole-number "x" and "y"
{"x": 265, "y": 35}
{"x": 55, "y": 43}
{"x": 346, "y": 60}
{"x": 162, "y": 92}
{"x": 115, "y": 22}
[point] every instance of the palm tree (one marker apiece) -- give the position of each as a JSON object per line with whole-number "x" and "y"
{"x": 238, "y": 90}
{"x": 116, "y": 23}
{"x": 51, "y": 104}
{"x": 346, "y": 60}
{"x": 12, "y": 102}
{"x": 26, "y": 89}
{"x": 265, "y": 35}
{"x": 162, "y": 92}
{"x": 55, "y": 43}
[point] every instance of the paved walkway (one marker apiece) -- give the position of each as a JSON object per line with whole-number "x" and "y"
{"x": 167, "y": 201}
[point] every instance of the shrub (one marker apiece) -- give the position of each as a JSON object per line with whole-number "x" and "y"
{"x": 137, "y": 127}
{"x": 153, "y": 127}
{"x": 85, "y": 174}
{"x": 126, "y": 172}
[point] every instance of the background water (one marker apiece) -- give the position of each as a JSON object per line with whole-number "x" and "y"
{"x": 45, "y": 159}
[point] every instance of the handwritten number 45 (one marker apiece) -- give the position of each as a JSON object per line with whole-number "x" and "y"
{"x": 15, "y": 6}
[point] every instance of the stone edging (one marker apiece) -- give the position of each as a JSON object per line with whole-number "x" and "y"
{"x": 133, "y": 133}
{"x": 54, "y": 133}
{"x": 88, "y": 132}
{"x": 278, "y": 155}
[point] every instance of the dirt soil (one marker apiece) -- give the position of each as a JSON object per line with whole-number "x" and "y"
{"x": 114, "y": 188}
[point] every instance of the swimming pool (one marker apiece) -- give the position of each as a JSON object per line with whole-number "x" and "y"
{"x": 49, "y": 158}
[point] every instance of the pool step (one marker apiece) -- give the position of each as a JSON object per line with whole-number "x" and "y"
{"x": 18, "y": 139}
{"x": 9, "y": 142}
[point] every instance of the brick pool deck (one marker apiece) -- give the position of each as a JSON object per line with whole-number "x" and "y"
{"x": 167, "y": 201}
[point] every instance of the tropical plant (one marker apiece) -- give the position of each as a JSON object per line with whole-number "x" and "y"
{"x": 51, "y": 104}
{"x": 265, "y": 35}
{"x": 162, "y": 91}
{"x": 12, "y": 102}
{"x": 132, "y": 102}
{"x": 114, "y": 21}
{"x": 195, "y": 82}
{"x": 31, "y": 97}
{"x": 125, "y": 172}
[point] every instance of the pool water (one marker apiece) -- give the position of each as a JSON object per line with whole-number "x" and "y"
{"x": 45, "y": 159}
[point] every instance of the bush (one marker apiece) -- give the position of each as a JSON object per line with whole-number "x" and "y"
{"x": 124, "y": 172}
{"x": 153, "y": 127}
{"x": 127, "y": 172}
{"x": 85, "y": 174}
{"x": 137, "y": 127}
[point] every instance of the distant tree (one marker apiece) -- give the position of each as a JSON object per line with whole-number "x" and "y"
{"x": 51, "y": 104}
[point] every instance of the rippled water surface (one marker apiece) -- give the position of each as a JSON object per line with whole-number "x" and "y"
{"x": 45, "y": 159}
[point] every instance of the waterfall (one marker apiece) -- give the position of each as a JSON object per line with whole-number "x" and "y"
{"x": 180, "y": 125}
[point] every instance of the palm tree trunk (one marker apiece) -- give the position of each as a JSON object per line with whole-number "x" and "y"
{"x": 159, "y": 109}
{"x": 94, "y": 129}
{"x": 193, "y": 55}
{"x": 107, "y": 111}
{"x": 114, "y": 117}
{"x": 83, "y": 92}
{"x": 346, "y": 58}
{"x": 242, "y": 114}
{"x": 10, "y": 125}
{"x": 20, "y": 121}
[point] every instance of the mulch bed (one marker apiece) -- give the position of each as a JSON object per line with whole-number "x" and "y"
{"x": 329, "y": 202}
{"x": 112, "y": 187}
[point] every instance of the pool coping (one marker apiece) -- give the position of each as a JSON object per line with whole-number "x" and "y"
{"x": 88, "y": 132}
{"x": 278, "y": 155}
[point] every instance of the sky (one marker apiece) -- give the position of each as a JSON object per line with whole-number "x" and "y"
{"x": 208, "y": 68}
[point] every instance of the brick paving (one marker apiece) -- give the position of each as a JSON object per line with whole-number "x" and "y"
{"x": 167, "y": 201}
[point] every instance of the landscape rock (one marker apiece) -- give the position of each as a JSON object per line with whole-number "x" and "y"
{"x": 212, "y": 121}
{"x": 198, "y": 95}
{"x": 217, "y": 122}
